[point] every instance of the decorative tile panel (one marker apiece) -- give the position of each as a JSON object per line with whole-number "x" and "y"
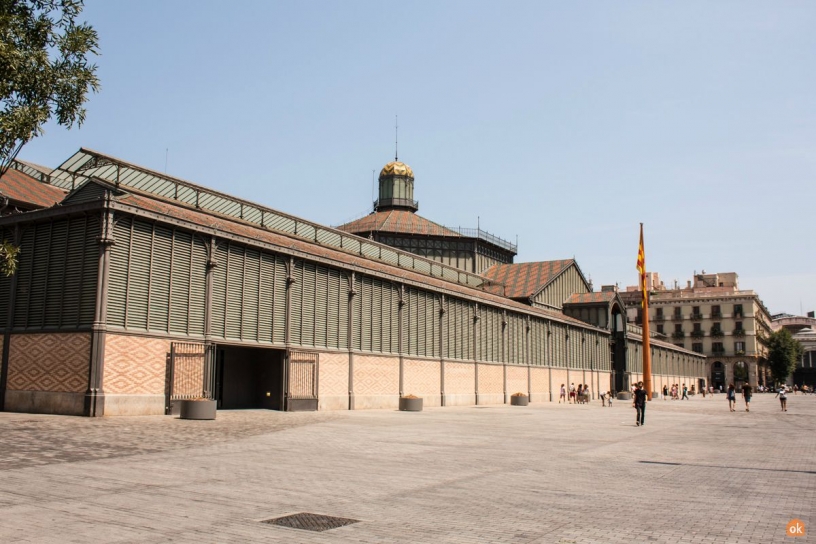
{"x": 376, "y": 375}
{"x": 516, "y": 379}
{"x": 135, "y": 365}
{"x": 333, "y": 379}
{"x": 491, "y": 379}
{"x": 421, "y": 378}
{"x": 460, "y": 378}
{"x": 49, "y": 362}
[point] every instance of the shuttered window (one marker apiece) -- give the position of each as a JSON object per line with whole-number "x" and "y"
{"x": 422, "y": 325}
{"x": 118, "y": 272}
{"x": 250, "y": 294}
{"x": 180, "y": 276}
{"x": 138, "y": 282}
{"x": 218, "y": 304}
{"x": 56, "y": 279}
{"x": 5, "y": 285}
{"x": 160, "y": 268}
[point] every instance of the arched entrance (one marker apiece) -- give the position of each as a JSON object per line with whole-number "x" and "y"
{"x": 740, "y": 373}
{"x": 718, "y": 376}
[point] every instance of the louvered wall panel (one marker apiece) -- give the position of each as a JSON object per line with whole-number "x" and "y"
{"x": 366, "y": 309}
{"x": 322, "y": 306}
{"x": 432, "y": 309}
{"x": 5, "y": 285}
{"x": 139, "y": 275}
{"x": 90, "y": 256}
{"x": 356, "y": 321}
{"x": 198, "y": 289}
{"x": 118, "y": 274}
{"x": 24, "y": 276}
{"x": 279, "y": 310}
{"x": 218, "y": 304}
{"x": 41, "y": 249}
{"x": 266, "y": 287}
{"x": 415, "y": 334}
{"x": 296, "y": 310}
{"x": 179, "y": 308}
{"x": 76, "y": 277}
{"x": 306, "y": 295}
{"x": 162, "y": 258}
{"x": 251, "y": 276}
{"x": 392, "y": 332}
{"x": 234, "y": 294}
{"x": 55, "y": 282}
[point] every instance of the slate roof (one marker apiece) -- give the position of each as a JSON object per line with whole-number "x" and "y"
{"x": 523, "y": 280}
{"x": 28, "y": 192}
{"x": 397, "y": 221}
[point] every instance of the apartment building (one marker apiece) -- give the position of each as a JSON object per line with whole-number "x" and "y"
{"x": 713, "y": 316}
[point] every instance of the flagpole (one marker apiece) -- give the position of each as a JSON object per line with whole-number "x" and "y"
{"x": 647, "y": 351}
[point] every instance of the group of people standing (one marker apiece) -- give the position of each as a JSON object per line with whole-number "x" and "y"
{"x": 576, "y": 396}
{"x": 674, "y": 391}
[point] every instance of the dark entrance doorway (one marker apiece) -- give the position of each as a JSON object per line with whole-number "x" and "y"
{"x": 718, "y": 376}
{"x": 249, "y": 378}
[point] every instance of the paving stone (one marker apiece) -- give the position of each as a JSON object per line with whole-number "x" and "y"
{"x": 696, "y": 473}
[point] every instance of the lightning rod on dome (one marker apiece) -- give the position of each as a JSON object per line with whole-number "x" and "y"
{"x": 396, "y": 137}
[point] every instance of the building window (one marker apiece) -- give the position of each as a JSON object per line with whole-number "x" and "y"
{"x": 697, "y": 347}
{"x": 697, "y": 327}
{"x": 678, "y": 327}
{"x": 738, "y": 311}
{"x": 660, "y": 329}
{"x": 659, "y": 315}
{"x": 717, "y": 347}
{"x": 695, "y": 312}
{"x": 678, "y": 312}
{"x": 739, "y": 348}
{"x": 715, "y": 312}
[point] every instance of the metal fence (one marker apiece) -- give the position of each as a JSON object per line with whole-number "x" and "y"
{"x": 303, "y": 375}
{"x": 191, "y": 372}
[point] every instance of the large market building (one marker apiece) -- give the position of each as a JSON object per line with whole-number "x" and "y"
{"x": 136, "y": 289}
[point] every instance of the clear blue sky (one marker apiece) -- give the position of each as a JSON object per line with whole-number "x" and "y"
{"x": 565, "y": 123}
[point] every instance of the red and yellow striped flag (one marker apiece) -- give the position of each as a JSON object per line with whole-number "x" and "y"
{"x": 641, "y": 267}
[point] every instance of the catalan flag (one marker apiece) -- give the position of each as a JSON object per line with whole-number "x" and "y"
{"x": 641, "y": 267}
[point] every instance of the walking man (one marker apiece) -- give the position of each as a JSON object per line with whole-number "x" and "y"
{"x": 640, "y": 404}
{"x": 746, "y": 394}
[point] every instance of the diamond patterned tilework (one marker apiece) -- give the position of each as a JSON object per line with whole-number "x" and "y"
{"x": 540, "y": 386}
{"x": 460, "y": 378}
{"x": 516, "y": 379}
{"x": 134, "y": 365}
{"x": 49, "y": 362}
{"x": 376, "y": 375}
{"x": 491, "y": 379}
{"x": 421, "y": 378}
{"x": 333, "y": 379}
{"x": 558, "y": 377}
{"x": 523, "y": 280}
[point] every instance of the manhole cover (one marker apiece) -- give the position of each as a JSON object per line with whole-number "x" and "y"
{"x": 310, "y": 522}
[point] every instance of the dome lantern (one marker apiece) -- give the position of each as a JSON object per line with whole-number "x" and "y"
{"x": 396, "y": 188}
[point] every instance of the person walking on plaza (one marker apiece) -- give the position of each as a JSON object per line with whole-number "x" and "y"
{"x": 685, "y": 393}
{"x": 602, "y": 394}
{"x": 731, "y": 395}
{"x": 783, "y": 398}
{"x": 665, "y": 391}
{"x": 563, "y": 394}
{"x": 572, "y": 392}
{"x": 746, "y": 394}
{"x": 640, "y": 404}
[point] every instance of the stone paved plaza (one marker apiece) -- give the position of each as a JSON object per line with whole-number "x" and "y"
{"x": 538, "y": 474}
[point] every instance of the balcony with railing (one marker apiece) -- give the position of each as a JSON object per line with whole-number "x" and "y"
{"x": 678, "y": 335}
{"x": 660, "y": 318}
{"x": 716, "y": 314}
{"x": 677, "y": 317}
{"x": 697, "y": 334}
{"x": 738, "y": 332}
{"x": 717, "y": 332}
{"x": 696, "y": 316}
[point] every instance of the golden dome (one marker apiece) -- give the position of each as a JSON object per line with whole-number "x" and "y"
{"x": 396, "y": 168}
